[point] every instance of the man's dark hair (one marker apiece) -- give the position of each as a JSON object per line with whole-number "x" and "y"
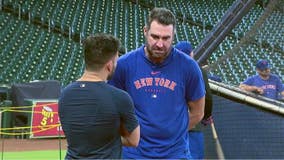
{"x": 121, "y": 50}
{"x": 161, "y": 15}
{"x": 99, "y": 49}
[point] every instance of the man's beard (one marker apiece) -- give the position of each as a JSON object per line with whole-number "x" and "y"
{"x": 265, "y": 75}
{"x": 156, "y": 57}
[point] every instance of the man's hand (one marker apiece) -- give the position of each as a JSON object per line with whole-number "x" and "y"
{"x": 207, "y": 121}
{"x": 249, "y": 88}
{"x": 258, "y": 90}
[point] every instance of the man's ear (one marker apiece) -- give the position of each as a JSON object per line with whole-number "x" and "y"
{"x": 145, "y": 29}
{"x": 109, "y": 65}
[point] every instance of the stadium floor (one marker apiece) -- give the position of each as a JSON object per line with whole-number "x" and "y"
{"x": 13, "y": 145}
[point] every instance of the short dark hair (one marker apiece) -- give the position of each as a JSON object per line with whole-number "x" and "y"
{"x": 121, "y": 50}
{"x": 161, "y": 15}
{"x": 99, "y": 49}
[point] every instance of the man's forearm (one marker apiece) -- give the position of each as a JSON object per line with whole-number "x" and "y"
{"x": 130, "y": 139}
{"x": 196, "y": 112}
{"x": 194, "y": 119}
{"x": 248, "y": 88}
{"x": 251, "y": 88}
{"x": 125, "y": 141}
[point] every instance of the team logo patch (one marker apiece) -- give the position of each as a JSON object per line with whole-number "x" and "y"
{"x": 155, "y": 73}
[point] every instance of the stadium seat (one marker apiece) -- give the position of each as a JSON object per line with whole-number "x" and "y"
{"x": 42, "y": 54}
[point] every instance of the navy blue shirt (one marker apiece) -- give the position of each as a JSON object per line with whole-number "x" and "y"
{"x": 91, "y": 114}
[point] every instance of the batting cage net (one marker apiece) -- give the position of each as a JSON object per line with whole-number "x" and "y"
{"x": 247, "y": 125}
{"x": 244, "y": 127}
{"x": 263, "y": 39}
{"x": 245, "y": 130}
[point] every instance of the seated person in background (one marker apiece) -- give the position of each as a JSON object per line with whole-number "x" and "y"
{"x": 196, "y": 138}
{"x": 264, "y": 83}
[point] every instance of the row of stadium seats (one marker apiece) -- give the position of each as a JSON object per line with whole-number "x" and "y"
{"x": 247, "y": 21}
{"x": 77, "y": 15}
{"x": 242, "y": 64}
{"x": 272, "y": 31}
{"x": 29, "y": 53}
{"x": 41, "y": 54}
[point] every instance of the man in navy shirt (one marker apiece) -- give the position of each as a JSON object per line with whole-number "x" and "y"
{"x": 97, "y": 118}
{"x": 264, "y": 83}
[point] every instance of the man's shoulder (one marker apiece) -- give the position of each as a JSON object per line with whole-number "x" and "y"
{"x": 69, "y": 87}
{"x": 253, "y": 77}
{"x": 131, "y": 54}
{"x": 181, "y": 55}
{"x": 186, "y": 63}
{"x": 251, "y": 80}
{"x": 274, "y": 77}
{"x": 117, "y": 92}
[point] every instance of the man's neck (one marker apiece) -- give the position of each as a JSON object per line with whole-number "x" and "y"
{"x": 92, "y": 76}
{"x": 264, "y": 77}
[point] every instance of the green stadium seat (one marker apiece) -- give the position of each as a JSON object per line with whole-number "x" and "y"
{"x": 23, "y": 42}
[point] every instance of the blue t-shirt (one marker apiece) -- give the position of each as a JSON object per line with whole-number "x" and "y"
{"x": 271, "y": 87}
{"x": 90, "y": 115}
{"x": 160, "y": 94}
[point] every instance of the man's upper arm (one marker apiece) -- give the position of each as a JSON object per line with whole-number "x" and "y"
{"x": 197, "y": 105}
{"x": 127, "y": 112}
{"x": 130, "y": 128}
{"x": 248, "y": 81}
{"x": 195, "y": 87}
{"x": 282, "y": 93}
{"x": 280, "y": 86}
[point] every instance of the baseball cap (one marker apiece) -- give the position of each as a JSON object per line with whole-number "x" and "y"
{"x": 184, "y": 46}
{"x": 262, "y": 64}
